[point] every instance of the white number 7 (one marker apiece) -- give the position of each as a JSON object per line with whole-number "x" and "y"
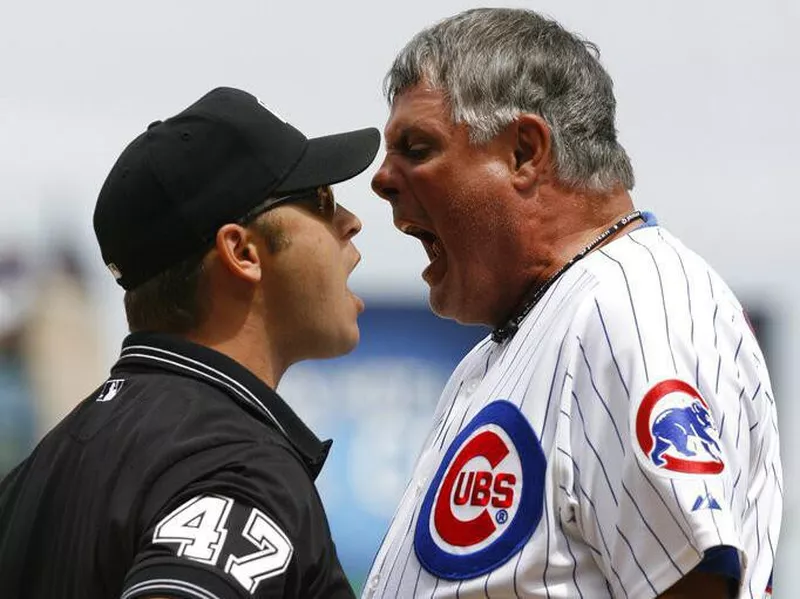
{"x": 273, "y": 559}
{"x": 198, "y": 527}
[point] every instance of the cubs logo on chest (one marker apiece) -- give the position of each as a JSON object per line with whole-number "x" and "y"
{"x": 472, "y": 520}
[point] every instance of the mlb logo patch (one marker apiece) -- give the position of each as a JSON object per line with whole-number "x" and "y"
{"x": 471, "y": 520}
{"x": 110, "y": 389}
{"x": 674, "y": 431}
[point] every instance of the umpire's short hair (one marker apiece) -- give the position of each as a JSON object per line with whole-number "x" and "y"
{"x": 173, "y": 301}
{"x": 177, "y": 300}
{"x": 494, "y": 64}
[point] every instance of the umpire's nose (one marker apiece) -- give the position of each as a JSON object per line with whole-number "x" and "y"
{"x": 347, "y": 223}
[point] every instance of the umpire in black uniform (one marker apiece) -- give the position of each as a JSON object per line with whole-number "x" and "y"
{"x": 185, "y": 474}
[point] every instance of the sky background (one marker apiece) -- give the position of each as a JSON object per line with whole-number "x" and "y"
{"x": 707, "y": 108}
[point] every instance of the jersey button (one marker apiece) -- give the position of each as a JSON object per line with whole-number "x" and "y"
{"x": 472, "y": 386}
{"x": 372, "y": 585}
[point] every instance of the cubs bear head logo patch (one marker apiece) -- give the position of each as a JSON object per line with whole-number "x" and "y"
{"x": 674, "y": 431}
{"x": 471, "y": 521}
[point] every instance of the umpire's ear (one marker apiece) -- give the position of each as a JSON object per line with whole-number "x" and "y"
{"x": 530, "y": 135}
{"x": 237, "y": 250}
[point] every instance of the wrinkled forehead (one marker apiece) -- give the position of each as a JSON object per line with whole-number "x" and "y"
{"x": 420, "y": 107}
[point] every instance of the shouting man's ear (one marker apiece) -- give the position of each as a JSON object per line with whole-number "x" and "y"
{"x": 532, "y": 149}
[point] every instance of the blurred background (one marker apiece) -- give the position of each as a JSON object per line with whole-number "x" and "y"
{"x": 707, "y": 94}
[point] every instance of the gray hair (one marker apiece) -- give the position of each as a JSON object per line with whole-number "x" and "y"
{"x": 494, "y": 64}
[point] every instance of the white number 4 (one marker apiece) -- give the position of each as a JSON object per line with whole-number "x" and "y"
{"x": 198, "y": 527}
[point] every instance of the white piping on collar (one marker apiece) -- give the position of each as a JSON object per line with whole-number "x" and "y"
{"x": 212, "y": 374}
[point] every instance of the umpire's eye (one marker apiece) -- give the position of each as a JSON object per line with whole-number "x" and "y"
{"x": 326, "y": 203}
{"x": 319, "y": 201}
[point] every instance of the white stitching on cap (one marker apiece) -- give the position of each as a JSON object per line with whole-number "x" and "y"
{"x": 272, "y": 111}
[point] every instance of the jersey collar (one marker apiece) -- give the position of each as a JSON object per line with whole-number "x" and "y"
{"x": 175, "y": 354}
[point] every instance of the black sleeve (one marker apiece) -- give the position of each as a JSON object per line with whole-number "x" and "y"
{"x": 239, "y": 521}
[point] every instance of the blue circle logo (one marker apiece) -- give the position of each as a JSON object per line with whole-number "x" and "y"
{"x": 471, "y": 520}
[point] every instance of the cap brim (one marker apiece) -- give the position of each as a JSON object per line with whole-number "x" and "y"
{"x": 333, "y": 159}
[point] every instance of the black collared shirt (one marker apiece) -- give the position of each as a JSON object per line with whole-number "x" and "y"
{"x": 183, "y": 475}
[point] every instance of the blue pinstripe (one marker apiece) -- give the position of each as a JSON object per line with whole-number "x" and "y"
{"x": 777, "y": 480}
{"x": 550, "y": 392}
{"x": 758, "y": 526}
{"x": 694, "y": 544}
{"x": 548, "y": 297}
{"x": 611, "y": 349}
{"x": 485, "y": 585}
{"x": 574, "y": 567}
{"x": 447, "y": 416}
{"x": 739, "y": 425}
{"x": 568, "y": 492}
{"x": 636, "y": 561}
{"x": 738, "y": 348}
{"x": 663, "y": 300}
{"x": 600, "y": 397}
{"x": 753, "y": 396}
{"x": 713, "y": 515}
{"x": 594, "y": 450}
{"x": 416, "y": 583}
{"x": 689, "y": 305}
{"x": 771, "y": 546}
{"x": 655, "y": 536}
{"x": 597, "y": 519}
{"x": 633, "y": 310}
{"x": 435, "y": 586}
{"x": 408, "y": 557}
{"x": 733, "y": 489}
{"x": 514, "y": 375}
{"x": 547, "y": 546}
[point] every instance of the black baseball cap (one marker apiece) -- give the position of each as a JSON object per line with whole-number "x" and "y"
{"x": 178, "y": 182}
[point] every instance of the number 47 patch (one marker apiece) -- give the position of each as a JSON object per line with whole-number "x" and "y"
{"x": 198, "y": 527}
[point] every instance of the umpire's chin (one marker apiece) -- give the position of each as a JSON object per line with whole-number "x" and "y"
{"x": 336, "y": 337}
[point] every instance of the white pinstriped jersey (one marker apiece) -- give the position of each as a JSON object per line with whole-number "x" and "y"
{"x": 628, "y": 427}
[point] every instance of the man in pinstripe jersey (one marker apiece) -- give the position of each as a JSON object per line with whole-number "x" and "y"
{"x": 616, "y": 434}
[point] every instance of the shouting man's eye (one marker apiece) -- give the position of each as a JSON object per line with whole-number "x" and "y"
{"x": 417, "y": 151}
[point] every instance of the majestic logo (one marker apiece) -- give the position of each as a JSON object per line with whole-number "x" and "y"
{"x": 471, "y": 521}
{"x": 675, "y": 430}
{"x": 705, "y": 502}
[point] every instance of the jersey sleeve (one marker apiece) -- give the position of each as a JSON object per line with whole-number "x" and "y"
{"x": 663, "y": 428}
{"x": 235, "y": 522}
